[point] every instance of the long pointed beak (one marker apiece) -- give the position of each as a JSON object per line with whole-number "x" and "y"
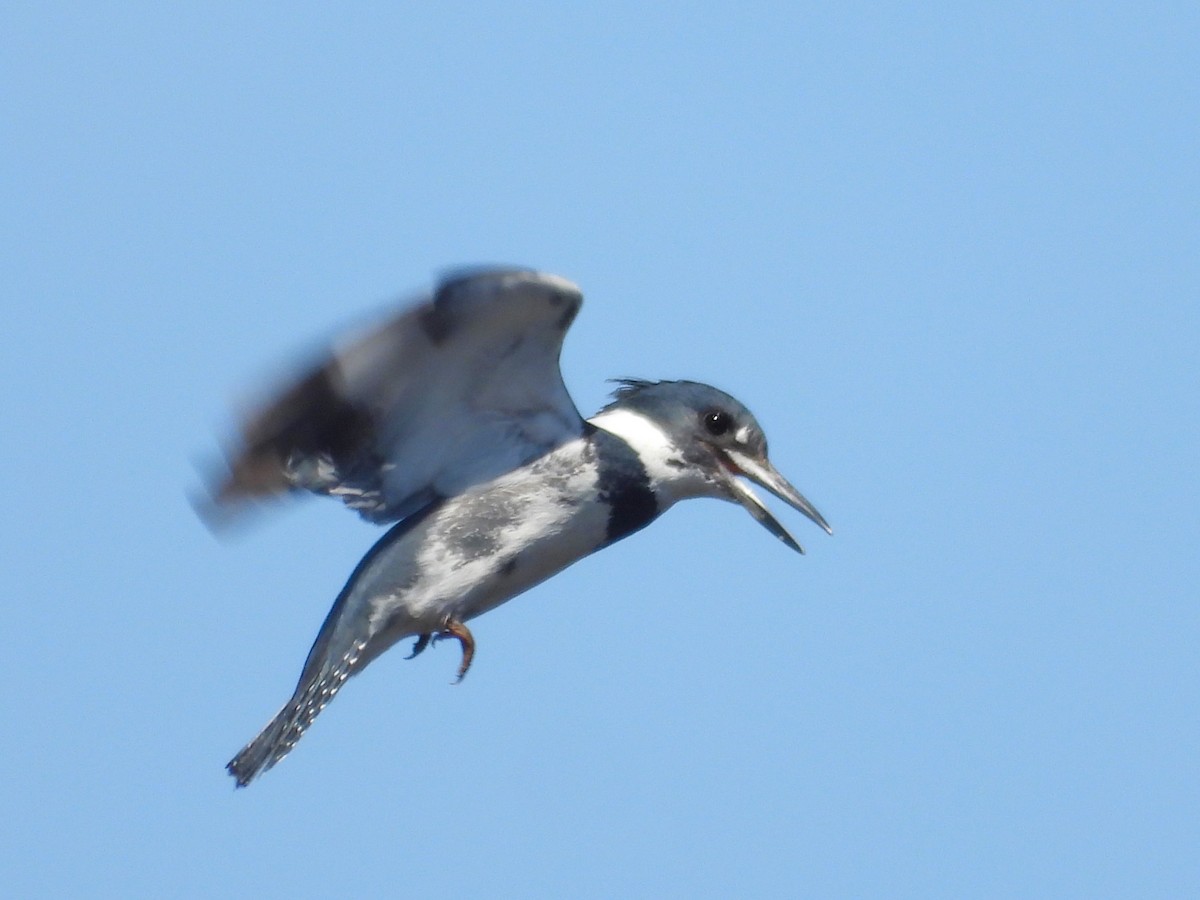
{"x": 762, "y": 473}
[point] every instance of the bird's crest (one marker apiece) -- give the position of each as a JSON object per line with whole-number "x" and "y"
{"x": 626, "y": 388}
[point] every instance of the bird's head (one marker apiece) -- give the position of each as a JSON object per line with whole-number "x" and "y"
{"x": 707, "y": 439}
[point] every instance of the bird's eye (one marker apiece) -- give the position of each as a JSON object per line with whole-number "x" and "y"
{"x": 717, "y": 422}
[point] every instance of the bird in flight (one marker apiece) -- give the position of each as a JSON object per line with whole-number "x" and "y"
{"x": 452, "y": 421}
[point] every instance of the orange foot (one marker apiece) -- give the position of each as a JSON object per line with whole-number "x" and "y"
{"x": 453, "y": 628}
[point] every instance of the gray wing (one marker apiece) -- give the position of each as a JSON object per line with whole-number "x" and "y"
{"x": 455, "y": 390}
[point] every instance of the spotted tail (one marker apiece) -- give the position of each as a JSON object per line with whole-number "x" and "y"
{"x": 276, "y": 741}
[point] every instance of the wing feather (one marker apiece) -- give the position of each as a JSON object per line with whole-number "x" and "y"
{"x": 458, "y": 389}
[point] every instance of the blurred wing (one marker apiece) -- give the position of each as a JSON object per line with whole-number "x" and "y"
{"x": 455, "y": 390}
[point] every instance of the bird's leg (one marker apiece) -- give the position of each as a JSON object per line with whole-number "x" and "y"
{"x": 454, "y": 628}
{"x": 421, "y": 643}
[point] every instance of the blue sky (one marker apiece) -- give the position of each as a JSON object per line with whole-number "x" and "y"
{"x": 948, "y": 255}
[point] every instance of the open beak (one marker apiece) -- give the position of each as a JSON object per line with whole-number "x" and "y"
{"x": 762, "y": 473}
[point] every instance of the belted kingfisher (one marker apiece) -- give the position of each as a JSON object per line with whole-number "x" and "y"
{"x": 452, "y": 420}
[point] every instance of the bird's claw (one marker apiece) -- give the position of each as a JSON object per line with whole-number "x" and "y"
{"x": 420, "y": 644}
{"x": 454, "y": 628}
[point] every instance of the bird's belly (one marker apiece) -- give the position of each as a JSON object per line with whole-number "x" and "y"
{"x": 528, "y": 562}
{"x": 483, "y": 548}
{"x": 528, "y": 551}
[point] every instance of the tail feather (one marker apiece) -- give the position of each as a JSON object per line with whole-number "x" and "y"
{"x": 280, "y": 735}
{"x": 350, "y": 638}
